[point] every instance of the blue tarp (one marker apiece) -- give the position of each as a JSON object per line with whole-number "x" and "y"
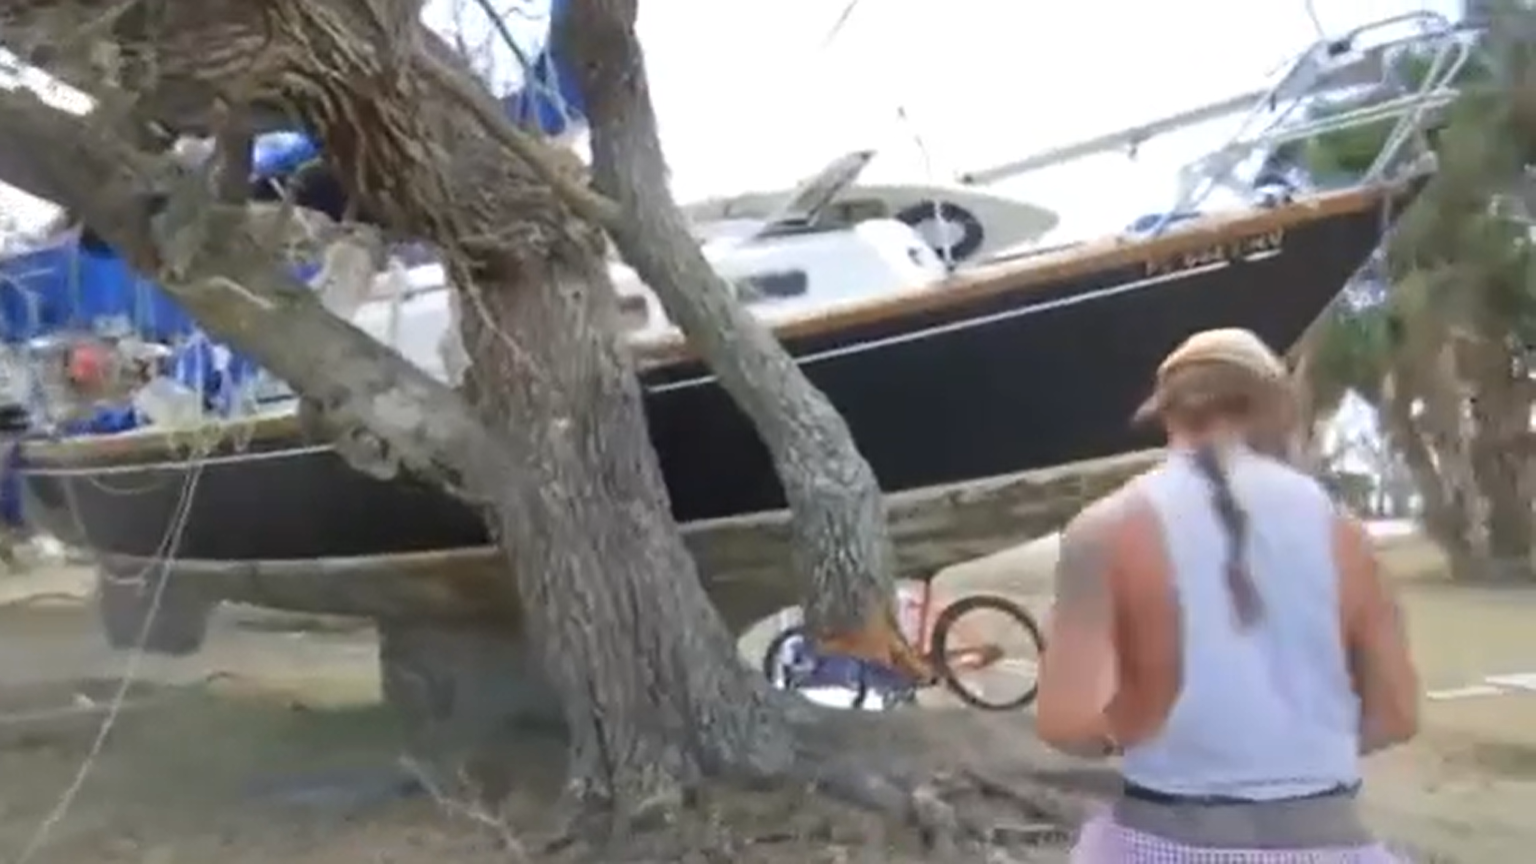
{"x": 552, "y": 102}
{"x": 278, "y": 154}
{"x": 68, "y": 285}
{"x": 1145, "y": 224}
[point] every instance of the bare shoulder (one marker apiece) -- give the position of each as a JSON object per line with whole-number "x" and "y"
{"x": 1092, "y": 541}
{"x": 1105, "y": 516}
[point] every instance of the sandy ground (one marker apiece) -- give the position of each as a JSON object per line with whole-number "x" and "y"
{"x": 206, "y": 760}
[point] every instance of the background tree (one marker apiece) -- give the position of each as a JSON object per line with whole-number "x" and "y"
{"x": 1441, "y": 351}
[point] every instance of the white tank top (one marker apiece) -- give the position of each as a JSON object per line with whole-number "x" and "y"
{"x": 1268, "y": 711}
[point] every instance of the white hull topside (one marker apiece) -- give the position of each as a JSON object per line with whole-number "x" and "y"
{"x": 873, "y": 258}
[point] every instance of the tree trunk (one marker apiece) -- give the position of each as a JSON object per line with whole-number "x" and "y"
{"x": 1313, "y": 408}
{"x": 839, "y": 525}
{"x": 646, "y": 671}
{"x": 1443, "y": 516}
{"x": 1501, "y": 412}
{"x": 464, "y": 694}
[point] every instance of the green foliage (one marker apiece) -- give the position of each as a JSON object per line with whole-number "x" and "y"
{"x": 1350, "y": 152}
{"x": 1349, "y": 354}
{"x": 1463, "y": 229}
{"x": 1461, "y": 259}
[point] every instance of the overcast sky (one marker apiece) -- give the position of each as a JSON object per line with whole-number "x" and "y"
{"x": 752, "y": 95}
{"x": 985, "y": 82}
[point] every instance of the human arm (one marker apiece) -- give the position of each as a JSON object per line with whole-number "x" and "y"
{"x": 1375, "y": 642}
{"x": 1077, "y": 668}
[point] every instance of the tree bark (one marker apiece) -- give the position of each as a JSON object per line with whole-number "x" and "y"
{"x": 1443, "y": 516}
{"x": 839, "y": 523}
{"x": 644, "y": 666}
{"x": 464, "y": 693}
{"x": 1501, "y": 413}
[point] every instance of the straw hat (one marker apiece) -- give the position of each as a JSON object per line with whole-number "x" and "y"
{"x": 1233, "y": 346}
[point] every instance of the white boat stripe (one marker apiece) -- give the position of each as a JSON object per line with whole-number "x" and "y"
{"x": 982, "y": 321}
{"x": 182, "y": 465}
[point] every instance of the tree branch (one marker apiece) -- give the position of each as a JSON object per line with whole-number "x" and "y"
{"x": 521, "y": 145}
{"x": 229, "y": 282}
{"x": 234, "y": 158}
{"x": 839, "y": 521}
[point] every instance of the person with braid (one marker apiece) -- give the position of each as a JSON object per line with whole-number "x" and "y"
{"x": 1222, "y": 625}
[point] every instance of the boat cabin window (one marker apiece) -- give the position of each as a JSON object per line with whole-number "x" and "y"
{"x": 837, "y": 216}
{"x": 774, "y": 285}
{"x": 794, "y": 228}
{"x": 634, "y": 313}
{"x": 852, "y": 211}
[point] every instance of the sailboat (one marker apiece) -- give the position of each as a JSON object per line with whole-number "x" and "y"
{"x": 959, "y": 374}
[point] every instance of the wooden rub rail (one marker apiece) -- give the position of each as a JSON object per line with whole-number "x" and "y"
{"x": 1191, "y": 238}
{"x": 744, "y": 561}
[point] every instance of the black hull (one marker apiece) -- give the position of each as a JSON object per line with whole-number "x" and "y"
{"x": 993, "y": 383}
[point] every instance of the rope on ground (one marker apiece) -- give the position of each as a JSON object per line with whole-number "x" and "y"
{"x": 63, "y": 597}
{"x": 87, "y": 706}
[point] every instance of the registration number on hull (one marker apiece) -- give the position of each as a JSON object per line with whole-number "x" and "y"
{"x": 1237, "y": 249}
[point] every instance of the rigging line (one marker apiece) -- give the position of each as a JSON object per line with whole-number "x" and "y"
{"x": 838, "y": 25}
{"x": 531, "y": 80}
{"x": 517, "y": 9}
{"x": 946, "y": 250}
{"x": 164, "y": 555}
{"x": 76, "y": 295}
{"x": 505, "y": 32}
{"x": 1317, "y": 22}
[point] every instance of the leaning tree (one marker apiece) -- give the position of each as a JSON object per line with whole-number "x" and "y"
{"x": 549, "y": 437}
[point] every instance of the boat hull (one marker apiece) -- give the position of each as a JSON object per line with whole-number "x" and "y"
{"x": 943, "y": 390}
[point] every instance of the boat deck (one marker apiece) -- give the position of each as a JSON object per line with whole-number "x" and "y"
{"x": 1187, "y": 244}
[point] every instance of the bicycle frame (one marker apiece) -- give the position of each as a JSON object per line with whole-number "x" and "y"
{"x": 923, "y": 640}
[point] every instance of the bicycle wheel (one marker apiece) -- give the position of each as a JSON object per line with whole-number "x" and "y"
{"x": 987, "y": 650}
{"x": 775, "y": 656}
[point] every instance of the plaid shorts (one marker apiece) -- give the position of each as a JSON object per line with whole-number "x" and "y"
{"x": 1103, "y": 841}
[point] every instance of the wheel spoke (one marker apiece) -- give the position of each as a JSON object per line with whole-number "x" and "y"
{"x": 988, "y": 646}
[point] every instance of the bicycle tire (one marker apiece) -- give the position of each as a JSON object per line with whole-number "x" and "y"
{"x": 941, "y": 632}
{"x": 775, "y": 646}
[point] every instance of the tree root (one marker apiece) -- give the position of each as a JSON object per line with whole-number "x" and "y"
{"x": 948, "y": 815}
{"x": 938, "y": 785}
{"x": 964, "y": 782}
